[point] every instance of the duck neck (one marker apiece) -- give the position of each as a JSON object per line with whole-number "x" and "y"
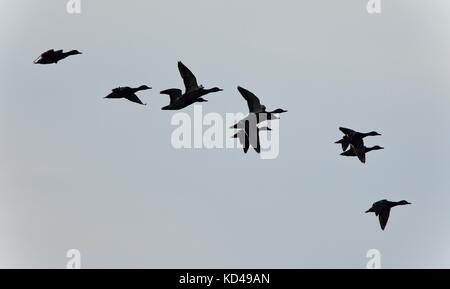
{"x": 72, "y": 52}
{"x": 370, "y": 149}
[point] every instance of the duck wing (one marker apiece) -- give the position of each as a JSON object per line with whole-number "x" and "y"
{"x": 173, "y": 93}
{"x": 254, "y": 105}
{"x": 360, "y": 154}
{"x": 190, "y": 82}
{"x": 133, "y": 98}
{"x": 346, "y": 131}
{"x": 359, "y": 149}
{"x": 243, "y": 139}
{"x": 384, "y": 217}
{"x": 344, "y": 143}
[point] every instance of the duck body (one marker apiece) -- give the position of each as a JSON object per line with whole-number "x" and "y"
{"x": 360, "y": 151}
{"x": 52, "y": 57}
{"x": 179, "y": 101}
{"x": 128, "y": 93}
{"x": 383, "y": 208}
{"x": 193, "y": 93}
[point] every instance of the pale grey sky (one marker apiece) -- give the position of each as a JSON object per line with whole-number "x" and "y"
{"x": 78, "y": 171}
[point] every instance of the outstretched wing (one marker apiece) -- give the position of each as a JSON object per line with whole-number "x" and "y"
{"x": 384, "y": 217}
{"x": 254, "y": 105}
{"x": 133, "y": 97}
{"x": 173, "y": 93}
{"x": 359, "y": 150}
{"x": 190, "y": 82}
{"x": 346, "y": 131}
{"x": 345, "y": 145}
{"x": 360, "y": 154}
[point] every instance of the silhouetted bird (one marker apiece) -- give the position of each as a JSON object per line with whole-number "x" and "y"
{"x": 353, "y": 137}
{"x": 256, "y": 108}
{"x": 382, "y": 209}
{"x": 128, "y": 93}
{"x": 52, "y": 56}
{"x": 193, "y": 93}
{"x": 360, "y": 152}
{"x": 249, "y": 137}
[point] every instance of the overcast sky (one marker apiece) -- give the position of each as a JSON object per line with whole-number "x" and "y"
{"x": 101, "y": 176}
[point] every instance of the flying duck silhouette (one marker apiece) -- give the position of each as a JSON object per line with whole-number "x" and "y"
{"x": 52, "y": 56}
{"x": 256, "y": 108}
{"x": 193, "y": 93}
{"x": 382, "y": 209}
{"x": 249, "y": 138}
{"x": 360, "y": 151}
{"x": 351, "y": 136}
{"x": 128, "y": 93}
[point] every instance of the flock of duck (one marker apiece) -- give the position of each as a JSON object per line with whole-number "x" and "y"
{"x": 248, "y": 132}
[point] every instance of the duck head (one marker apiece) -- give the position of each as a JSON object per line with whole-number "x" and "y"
{"x": 215, "y": 89}
{"x": 373, "y": 133}
{"x": 403, "y": 202}
{"x": 144, "y": 87}
{"x": 377, "y": 148}
{"x": 279, "y": 110}
{"x": 74, "y": 52}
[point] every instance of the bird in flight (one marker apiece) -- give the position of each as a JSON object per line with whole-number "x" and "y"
{"x": 128, "y": 93}
{"x": 351, "y": 136}
{"x": 193, "y": 93}
{"x": 355, "y": 140}
{"x": 382, "y": 209}
{"x": 52, "y": 56}
{"x": 256, "y": 109}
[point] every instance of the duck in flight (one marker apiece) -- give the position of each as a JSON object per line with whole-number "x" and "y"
{"x": 256, "y": 108}
{"x": 360, "y": 152}
{"x": 382, "y": 210}
{"x": 52, "y": 56}
{"x": 128, "y": 93}
{"x": 352, "y": 137}
{"x": 249, "y": 138}
{"x": 194, "y": 92}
